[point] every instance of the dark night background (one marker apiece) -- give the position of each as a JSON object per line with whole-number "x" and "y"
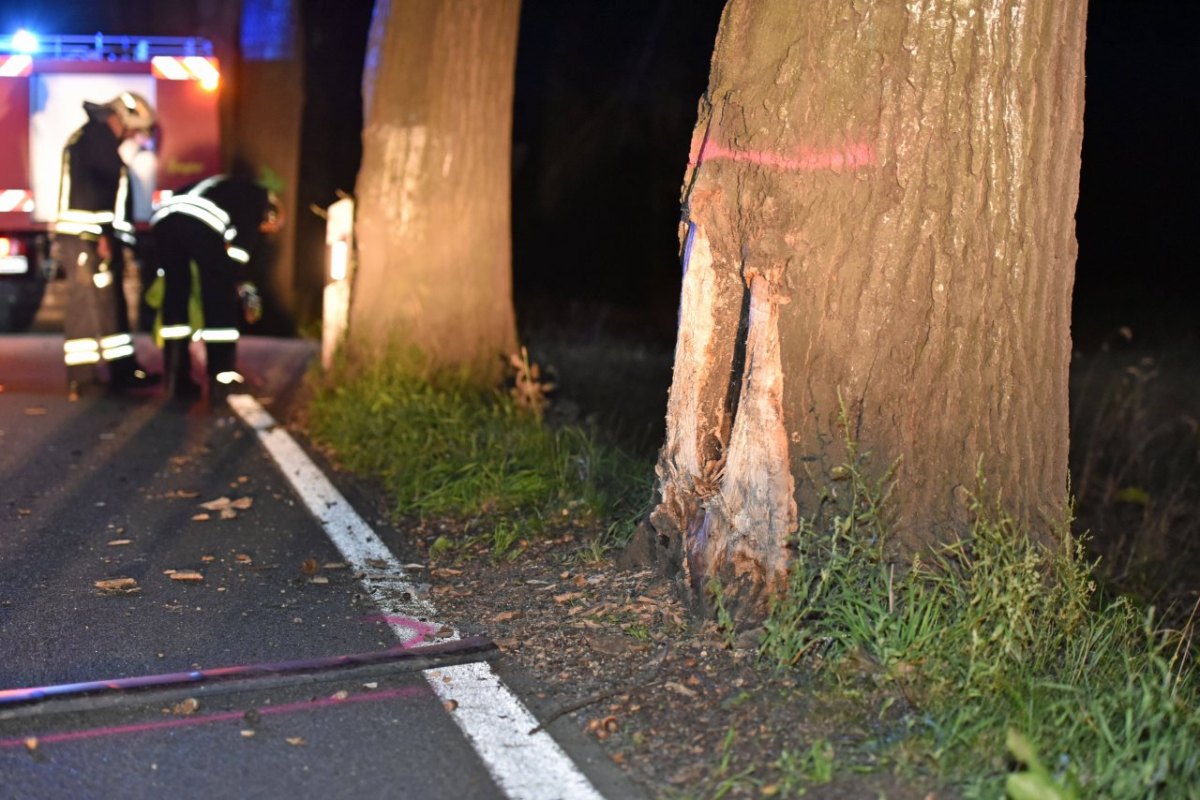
{"x": 606, "y": 97}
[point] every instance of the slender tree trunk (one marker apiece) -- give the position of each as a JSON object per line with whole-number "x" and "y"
{"x": 879, "y": 229}
{"x": 434, "y": 243}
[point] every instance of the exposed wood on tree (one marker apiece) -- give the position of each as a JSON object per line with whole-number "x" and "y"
{"x": 879, "y": 214}
{"x": 434, "y": 247}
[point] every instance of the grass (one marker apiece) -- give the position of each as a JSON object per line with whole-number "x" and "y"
{"x": 994, "y": 665}
{"x": 442, "y": 446}
{"x": 1135, "y": 466}
{"x": 998, "y": 651}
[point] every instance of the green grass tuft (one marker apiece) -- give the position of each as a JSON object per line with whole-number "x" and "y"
{"x": 443, "y": 446}
{"x": 996, "y": 645}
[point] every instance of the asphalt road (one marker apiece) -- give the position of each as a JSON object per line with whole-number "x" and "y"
{"x": 113, "y": 488}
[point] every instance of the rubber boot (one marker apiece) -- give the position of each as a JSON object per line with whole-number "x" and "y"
{"x": 126, "y": 375}
{"x": 177, "y": 371}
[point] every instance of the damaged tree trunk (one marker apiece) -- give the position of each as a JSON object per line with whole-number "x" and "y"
{"x": 433, "y": 194}
{"x": 879, "y": 230}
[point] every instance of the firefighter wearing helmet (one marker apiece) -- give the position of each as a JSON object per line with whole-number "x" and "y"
{"x": 93, "y": 228}
{"x": 204, "y": 237}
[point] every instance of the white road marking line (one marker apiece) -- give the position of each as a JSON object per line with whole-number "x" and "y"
{"x": 494, "y": 720}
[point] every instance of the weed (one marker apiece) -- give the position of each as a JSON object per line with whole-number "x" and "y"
{"x": 725, "y": 623}
{"x": 1135, "y": 466}
{"x": 638, "y": 631}
{"x": 441, "y": 445}
{"x": 994, "y": 633}
{"x": 726, "y": 780}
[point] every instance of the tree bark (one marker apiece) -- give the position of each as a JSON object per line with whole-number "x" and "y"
{"x": 879, "y": 219}
{"x": 269, "y": 101}
{"x": 433, "y": 226}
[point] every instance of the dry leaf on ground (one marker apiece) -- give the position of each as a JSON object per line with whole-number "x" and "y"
{"x": 189, "y": 575}
{"x": 186, "y": 707}
{"x": 679, "y": 688}
{"x": 118, "y": 586}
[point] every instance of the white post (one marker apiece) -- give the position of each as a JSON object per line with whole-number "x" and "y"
{"x": 339, "y": 249}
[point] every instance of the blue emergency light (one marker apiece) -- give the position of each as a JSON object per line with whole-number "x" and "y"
{"x": 24, "y": 41}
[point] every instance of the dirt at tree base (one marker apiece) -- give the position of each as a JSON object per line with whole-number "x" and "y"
{"x": 672, "y": 704}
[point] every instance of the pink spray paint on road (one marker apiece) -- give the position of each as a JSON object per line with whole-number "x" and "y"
{"x": 419, "y": 629}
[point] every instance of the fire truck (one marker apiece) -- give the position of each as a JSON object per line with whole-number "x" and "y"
{"x": 44, "y": 82}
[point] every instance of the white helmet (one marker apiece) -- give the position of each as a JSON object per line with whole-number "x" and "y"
{"x": 133, "y": 111}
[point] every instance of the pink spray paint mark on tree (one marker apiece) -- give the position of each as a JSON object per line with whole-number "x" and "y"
{"x": 854, "y": 155}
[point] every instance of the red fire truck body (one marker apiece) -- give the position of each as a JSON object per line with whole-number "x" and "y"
{"x": 43, "y": 85}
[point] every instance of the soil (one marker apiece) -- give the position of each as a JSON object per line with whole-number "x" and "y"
{"x": 681, "y": 709}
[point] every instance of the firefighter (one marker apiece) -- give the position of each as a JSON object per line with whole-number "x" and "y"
{"x": 204, "y": 236}
{"x": 92, "y": 230}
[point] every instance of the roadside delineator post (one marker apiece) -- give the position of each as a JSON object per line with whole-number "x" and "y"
{"x": 339, "y": 250}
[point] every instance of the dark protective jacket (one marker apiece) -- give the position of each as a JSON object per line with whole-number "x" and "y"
{"x": 94, "y": 194}
{"x": 232, "y": 208}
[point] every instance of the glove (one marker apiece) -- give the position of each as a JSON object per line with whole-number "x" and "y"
{"x": 251, "y": 302}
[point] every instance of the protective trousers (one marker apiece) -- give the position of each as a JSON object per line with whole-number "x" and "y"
{"x": 180, "y": 241}
{"x": 97, "y": 317}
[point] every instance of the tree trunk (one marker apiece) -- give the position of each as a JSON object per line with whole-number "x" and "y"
{"x": 434, "y": 244}
{"x": 879, "y": 228}
{"x": 269, "y": 106}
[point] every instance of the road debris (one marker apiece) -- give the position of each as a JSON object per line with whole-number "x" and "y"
{"x": 185, "y": 708}
{"x": 118, "y": 586}
{"x": 188, "y": 575}
{"x": 226, "y": 507}
{"x": 119, "y": 542}
{"x": 604, "y": 727}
